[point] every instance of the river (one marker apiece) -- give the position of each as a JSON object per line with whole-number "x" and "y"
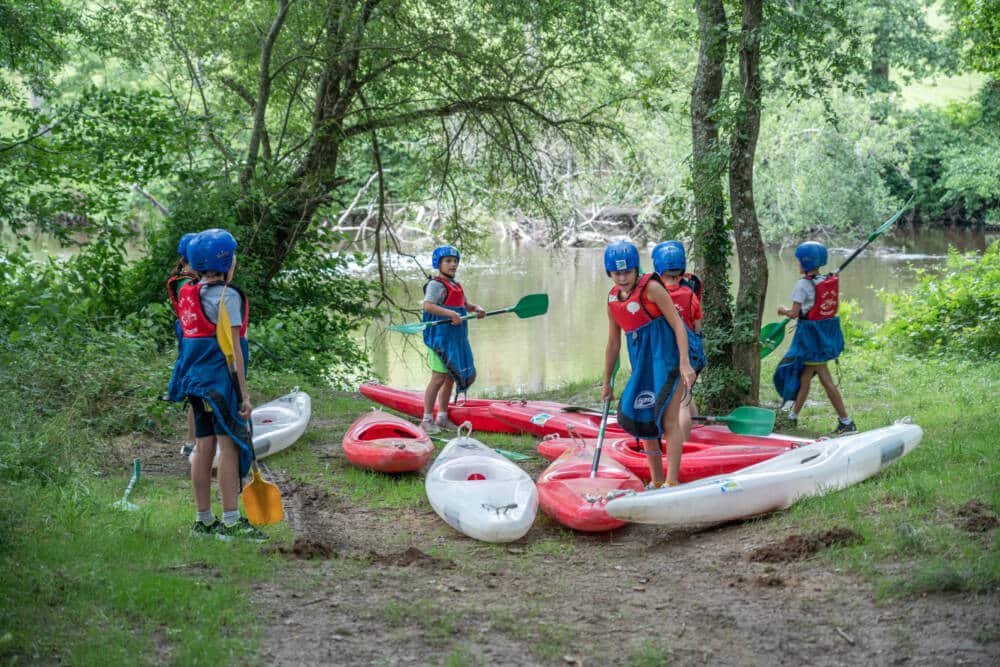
{"x": 523, "y": 356}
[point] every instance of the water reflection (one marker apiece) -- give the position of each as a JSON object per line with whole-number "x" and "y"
{"x": 567, "y": 344}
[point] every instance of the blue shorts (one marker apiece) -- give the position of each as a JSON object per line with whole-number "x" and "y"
{"x": 205, "y": 422}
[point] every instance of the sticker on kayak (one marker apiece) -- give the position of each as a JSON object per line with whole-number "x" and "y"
{"x": 540, "y": 419}
{"x": 729, "y": 486}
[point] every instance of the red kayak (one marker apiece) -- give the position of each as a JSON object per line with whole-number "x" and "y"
{"x": 474, "y": 410}
{"x": 569, "y": 496}
{"x": 698, "y": 459}
{"x": 535, "y": 419}
{"x": 386, "y": 443}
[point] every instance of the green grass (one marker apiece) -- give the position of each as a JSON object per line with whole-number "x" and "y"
{"x": 87, "y": 584}
{"x": 908, "y": 515}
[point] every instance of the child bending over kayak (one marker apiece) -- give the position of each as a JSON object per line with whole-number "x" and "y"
{"x": 220, "y": 402}
{"x": 670, "y": 263}
{"x": 662, "y": 377}
{"x": 181, "y": 275}
{"x": 818, "y": 337}
{"x": 449, "y": 354}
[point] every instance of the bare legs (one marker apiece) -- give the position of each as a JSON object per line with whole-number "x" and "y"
{"x": 675, "y": 434}
{"x": 828, "y": 385}
{"x": 229, "y": 473}
{"x": 438, "y": 390}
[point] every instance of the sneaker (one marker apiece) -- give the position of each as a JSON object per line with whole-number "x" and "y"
{"x": 429, "y": 427}
{"x": 446, "y": 424}
{"x": 241, "y": 530}
{"x": 200, "y": 529}
{"x": 842, "y": 428}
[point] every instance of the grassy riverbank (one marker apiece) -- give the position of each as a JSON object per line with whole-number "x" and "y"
{"x": 87, "y": 584}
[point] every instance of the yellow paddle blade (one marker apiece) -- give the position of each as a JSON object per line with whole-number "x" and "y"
{"x": 224, "y": 331}
{"x": 262, "y": 501}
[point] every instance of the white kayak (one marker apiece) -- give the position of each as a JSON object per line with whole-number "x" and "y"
{"x": 276, "y": 424}
{"x": 815, "y": 469}
{"x": 480, "y": 493}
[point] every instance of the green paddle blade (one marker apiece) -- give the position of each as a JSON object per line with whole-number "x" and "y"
{"x": 513, "y": 456}
{"x": 532, "y": 305}
{"x": 771, "y": 337}
{"x": 410, "y": 328}
{"x": 746, "y": 420}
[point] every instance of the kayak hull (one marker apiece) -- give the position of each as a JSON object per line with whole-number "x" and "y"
{"x": 698, "y": 459}
{"x": 385, "y": 443}
{"x": 277, "y": 425}
{"x": 569, "y": 496}
{"x": 480, "y": 493}
{"x": 823, "y": 466}
{"x": 475, "y": 411}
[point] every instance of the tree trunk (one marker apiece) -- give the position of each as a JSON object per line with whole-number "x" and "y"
{"x": 749, "y": 245}
{"x": 713, "y": 248}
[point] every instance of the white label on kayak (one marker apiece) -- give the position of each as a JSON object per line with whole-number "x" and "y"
{"x": 729, "y": 486}
{"x": 540, "y": 419}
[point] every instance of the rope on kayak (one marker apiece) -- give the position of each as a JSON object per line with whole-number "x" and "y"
{"x": 499, "y": 509}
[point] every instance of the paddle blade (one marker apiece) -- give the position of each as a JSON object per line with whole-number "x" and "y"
{"x": 410, "y": 328}
{"x": 224, "y": 331}
{"x": 771, "y": 337}
{"x": 513, "y": 456}
{"x": 746, "y": 420}
{"x": 532, "y": 305}
{"x": 262, "y": 501}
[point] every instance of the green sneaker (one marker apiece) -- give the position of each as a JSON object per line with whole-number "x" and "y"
{"x": 241, "y": 530}
{"x": 200, "y": 529}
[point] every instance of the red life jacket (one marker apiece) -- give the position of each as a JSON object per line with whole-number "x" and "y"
{"x": 637, "y": 309}
{"x": 827, "y": 298}
{"x": 456, "y": 295}
{"x": 683, "y": 298}
{"x": 174, "y": 285}
{"x": 194, "y": 323}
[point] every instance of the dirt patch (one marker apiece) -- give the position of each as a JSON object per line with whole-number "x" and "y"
{"x": 797, "y": 547}
{"x": 303, "y": 549}
{"x": 977, "y": 517}
{"x": 410, "y": 556}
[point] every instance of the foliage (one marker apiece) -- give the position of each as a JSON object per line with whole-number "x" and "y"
{"x": 977, "y": 33}
{"x": 956, "y": 313}
{"x": 952, "y": 156}
{"x": 818, "y": 174}
{"x": 34, "y": 41}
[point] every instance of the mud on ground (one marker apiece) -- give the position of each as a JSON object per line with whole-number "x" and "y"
{"x": 384, "y": 586}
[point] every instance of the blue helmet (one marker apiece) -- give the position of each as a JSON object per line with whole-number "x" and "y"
{"x": 811, "y": 255}
{"x": 444, "y": 251}
{"x": 621, "y": 256}
{"x": 212, "y": 250}
{"x": 183, "y": 244}
{"x": 669, "y": 256}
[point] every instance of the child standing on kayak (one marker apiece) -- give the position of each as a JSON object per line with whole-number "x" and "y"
{"x": 220, "y": 401}
{"x": 181, "y": 275}
{"x": 449, "y": 354}
{"x": 670, "y": 263}
{"x": 662, "y": 377}
{"x": 818, "y": 337}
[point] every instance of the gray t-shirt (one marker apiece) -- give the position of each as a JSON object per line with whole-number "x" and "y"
{"x": 435, "y": 292}
{"x": 211, "y": 295}
{"x": 805, "y": 293}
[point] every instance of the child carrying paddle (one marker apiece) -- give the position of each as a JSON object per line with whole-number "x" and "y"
{"x": 670, "y": 263}
{"x": 181, "y": 275}
{"x": 818, "y": 337}
{"x": 449, "y": 354}
{"x": 662, "y": 376}
{"x": 220, "y": 402}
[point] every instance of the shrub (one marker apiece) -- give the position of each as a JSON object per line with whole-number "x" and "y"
{"x": 957, "y": 312}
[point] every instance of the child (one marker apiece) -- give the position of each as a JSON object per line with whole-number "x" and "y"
{"x": 670, "y": 263}
{"x": 220, "y": 402}
{"x": 181, "y": 275}
{"x": 818, "y": 337}
{"x": 661, "y": 376}
{"x": 448, "y": 352}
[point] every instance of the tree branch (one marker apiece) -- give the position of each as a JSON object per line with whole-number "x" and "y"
{"x": 263, "y": 93}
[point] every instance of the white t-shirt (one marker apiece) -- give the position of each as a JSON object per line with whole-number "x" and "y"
{"x": 805, "y": 293}
{"x": 211, "y": 295}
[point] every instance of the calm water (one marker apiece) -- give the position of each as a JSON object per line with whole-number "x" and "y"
{"x": 567, "y": 344}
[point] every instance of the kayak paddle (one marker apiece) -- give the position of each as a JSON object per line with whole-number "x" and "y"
{"x": 529, "y": 306}
{"x": 604, "y": 424}
{"x": 772, "y": 334}
{"x": 261, "y": 499}
{"x": 746, "y": 420}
